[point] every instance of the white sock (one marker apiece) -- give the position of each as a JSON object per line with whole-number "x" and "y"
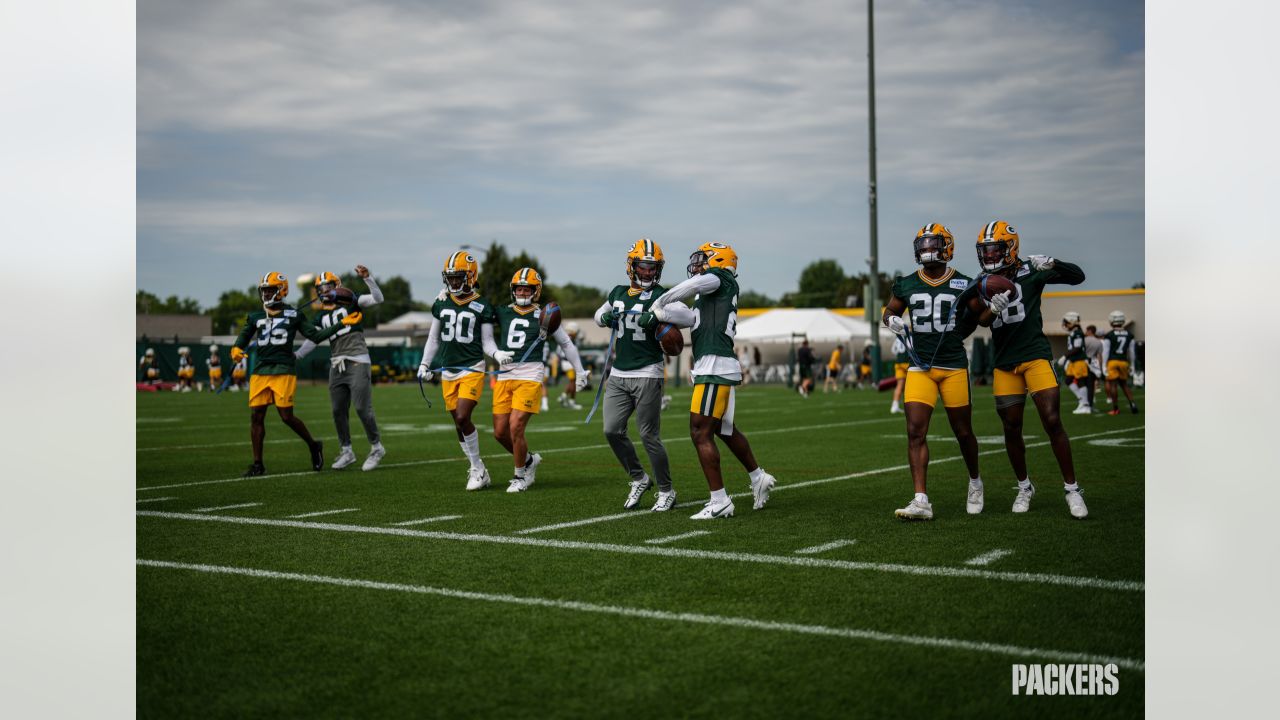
{"x": 1024, "y": 484}
{"x": 757, "y": 473}
{"x": 347, "y": 448}
{"x": 376, "y": 446}
{"x": 520, "y": 473}
{"x": 471, "y": 448}
{"x": 975, "y": 483}
{"x": 922, "y": 498}
{"x": 1073, "y": 487}
{"x": 719, "y": 496}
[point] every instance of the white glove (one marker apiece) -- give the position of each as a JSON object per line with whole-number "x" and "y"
{"x": 999, "y": 302}
{"x": 444, "y": 295}
{"x": 1062, "y": 361}
{"x": 1040, "y": 262}
{"x": 424, "y": 373}
{"x": 580, "y": 379}
{"x": 660, "y": 312}
{"x": 503, "y": 357}
{"x": 897, "y": 326}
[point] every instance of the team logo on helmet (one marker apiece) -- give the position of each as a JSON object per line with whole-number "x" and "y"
{"x": 273, "y": 289}
{"x": 712, "y": 254}
{"x": 526, "y": 277}
{"x": 997, "y": 246}
{"x": 644, "y": 263}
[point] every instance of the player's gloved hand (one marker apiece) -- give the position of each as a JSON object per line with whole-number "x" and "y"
{"x": 237, "y": 353}
{"x": 1062, "y": 361}
{"x": 424, "y": 373}
{"x": 444, "y": 295}
{"x": 999, "y": 302}
{"x": 1040, "y": 262}
{"x": 608, "y": 318}
{"x": 647, "y": 319}
{"x": 353, "y": 318}
{"x": 581, "y": 379}
{"x": 504, "y": 357}
{"x": 896, "y": 325}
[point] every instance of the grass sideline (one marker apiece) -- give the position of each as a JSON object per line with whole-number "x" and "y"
{"x": 397, "y": 592}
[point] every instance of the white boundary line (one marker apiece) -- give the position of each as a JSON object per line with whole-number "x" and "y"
{"x": 151, "y": 500}
{"x": 1038, "y": 654}
{"x": 925, "y": 570}
{"x": 323, "y": 512}
{"x": 824, "y": 547}
{"x": 462, "y": 458}
{"x": 225, "y": 507}
{"x": 424, "y": 521}
{"x": 806, "y": 483}
{"x": 673, "y": 538}
{"x": 988, "y": 557}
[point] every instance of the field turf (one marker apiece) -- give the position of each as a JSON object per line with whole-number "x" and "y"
{"x": 319, "y": 596}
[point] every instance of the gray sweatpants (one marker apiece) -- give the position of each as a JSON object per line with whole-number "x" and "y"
{"x": 643, "y": 396}
{"x": 353, "y": 383}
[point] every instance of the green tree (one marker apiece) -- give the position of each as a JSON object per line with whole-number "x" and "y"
{"x": 397, "y": 297}
{"x": 753, "y": 299}
{"x": 575, "y": 300}
{"x": 820, "y": 282}
{"x": 149, "y": 304}
{"x": 496, "y": 270}
{"x": 233, "y": 307}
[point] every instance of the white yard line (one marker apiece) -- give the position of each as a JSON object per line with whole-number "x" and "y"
{"x": 925, "y": 570}
{"x": 461, "y": 458}
{"x": 988, "y": 557}
{"x": 673, "y": 538}
{"x": 424, "y": 521}
{"x": 824, "y": 547}
{"x": 782, "y": 485}
{"x": 151, "y": 500}
{"x": 323, "y": 512}
{"x": 225, "y": 507}
{"x": 1038, "y": 654}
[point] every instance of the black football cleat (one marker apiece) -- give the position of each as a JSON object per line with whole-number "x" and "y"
{"x": 317, "y": 456}
{"x": 255, "y": 469}
{"x": 1134, "y": 408}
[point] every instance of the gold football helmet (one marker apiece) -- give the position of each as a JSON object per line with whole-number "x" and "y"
{"x": 645, "y": 263}
{"x": 526, "y": 277}
{"x": 997, "y": 246}
{"x": 273, "y": 289}
{"x": 934, "y": 243}
{"x": 712, "y": 254}
{"x": 461, "y": 273}
{"x": 326, "y": 281}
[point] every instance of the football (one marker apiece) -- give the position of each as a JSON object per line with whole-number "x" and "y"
{"x": 991, "y": 285}
{"x": 549, "y": 320}
{"x": 339, "y": 296}
{"x": 669, "y": 337}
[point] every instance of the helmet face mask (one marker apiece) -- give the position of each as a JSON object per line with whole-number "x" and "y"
{"x": 934, "y": 243}
{"x": 644, "y": 263}
{"x": 327, "y": 282}
{"x": 994, "y": 256}
{"x": 461, "y": 273}
{"x": 273, "y": 289}
{"x": 997, "y": 246}
{"x": 644, "y": 273}
{"x": 455, "y": 281}
{"x": 526, "y": 287}
{"x": 713, "y": 254}
{"x": 697, "y": 263}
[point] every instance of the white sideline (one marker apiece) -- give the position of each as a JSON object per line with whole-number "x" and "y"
{"x": 1038, "y": 654}
{"x": 225, "y": 507}
{"x": 540, "y": 450}
{"x": 825, "y": 547}
{"x": 788, "y": 486}
{"x": 424, "y": 521}
{"x": 925, "y": 570}
{"x": 673, "y": 538}
{"x": 988, "y": 557}
{"x": 149, "y": 500}
{"x": 323, "y": 512}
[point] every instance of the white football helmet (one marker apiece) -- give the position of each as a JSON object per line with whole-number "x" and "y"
{"x": 184, "y": 350}
{"x": 1117, "y": 318}
{"x": 572, "y": 329}
{"x": 1071, "y": 319}
{"x": 213, "y": 349}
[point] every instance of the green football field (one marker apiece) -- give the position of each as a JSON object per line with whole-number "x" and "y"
{"x": 396, "y": 592}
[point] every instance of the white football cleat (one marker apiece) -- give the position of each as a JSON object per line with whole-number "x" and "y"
{"x": 712, "y": 511}
{"x": 544, "y": 403}
{"x": 974, "y": 501}
{"x": 518, "y": 484}
{"x": 531, "y": 470}
{"x": 915, "y": 510}
{"x": 1022, "y": 502}
{"x": 345, "y": 458}
{"x": 666, "y": 401}
{"x": 760, "y": 490}
{"x": 478, "y": 478}
{"x": 638, "y": 489}
{"x": 1075, "y": 502}
{"x": 1084, "y": 409}
{"x": 895, "y": 410}
{"x": 666, "y": 501}
{"x": 375, "y": 457}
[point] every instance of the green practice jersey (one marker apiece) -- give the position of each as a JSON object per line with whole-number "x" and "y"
{"x": 515, "y": 331}
{"x": 1018, "y": 333}
{"x": 274, "y": 334}
{"x": 716, "y": 318}
{"x": 635, "y": 347}
{"x": 1118, "y": 342}
{"x": 1075, "y": 345}
{"x": 934, "y": 309}
{"x": 460, "y": 323}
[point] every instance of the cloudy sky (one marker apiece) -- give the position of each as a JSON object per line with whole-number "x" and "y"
{"x": 307, "y": 135}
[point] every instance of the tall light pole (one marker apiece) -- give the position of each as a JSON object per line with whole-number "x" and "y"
{"x": 873, "y": 305}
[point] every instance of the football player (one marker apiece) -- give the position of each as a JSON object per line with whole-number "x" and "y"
{"x": 713, "y": 282}
{"x": 349, "y": 366}
{"x": 1022, "y": 354}
{"x": 214, "y": 364}
{"x": 804, "y": 363}
{"x": 519, "y": 390}
{"x": 636, "y": 382}
{"x": 1117, "y": 344}
{"x": 833, "y": 370}
{"x": 274, "y": 381}
{"x": 1075, "y": 363}
{"x": 569, "y": 398}
{"x": 1093, "y": 355}
{"x": 149, "y": 366}
{"x": 901, "y": 361}
{"x": 461, "y": 335}
{"x": 239, "y": 371}
{"x": 186, "y": 370}
{"x": 932, "y": 296}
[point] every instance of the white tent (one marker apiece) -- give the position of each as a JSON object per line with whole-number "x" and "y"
{"x": 414, "y": 319}
{"x": 818, "y": 325}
